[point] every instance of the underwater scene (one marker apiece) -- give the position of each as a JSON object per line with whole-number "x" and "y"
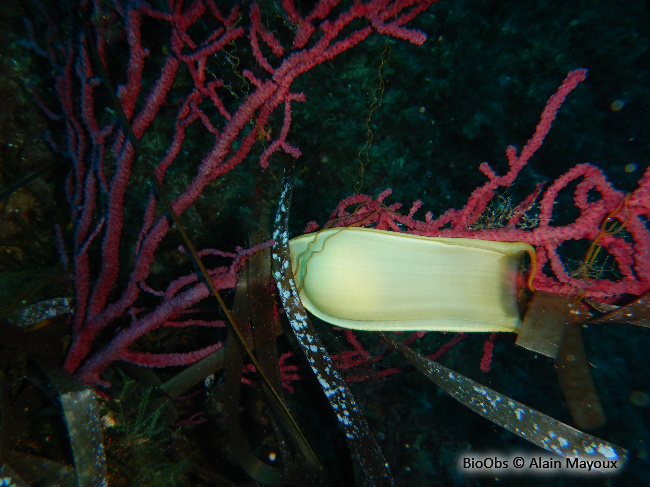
{"x": 314, "y": 243}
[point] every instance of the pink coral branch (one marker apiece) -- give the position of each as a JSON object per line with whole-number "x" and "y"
{"x": 594, "y": 196}
{"x": 178, "y": 84}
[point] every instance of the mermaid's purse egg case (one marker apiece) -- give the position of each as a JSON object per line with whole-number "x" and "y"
{"x": 368, "y": 279}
